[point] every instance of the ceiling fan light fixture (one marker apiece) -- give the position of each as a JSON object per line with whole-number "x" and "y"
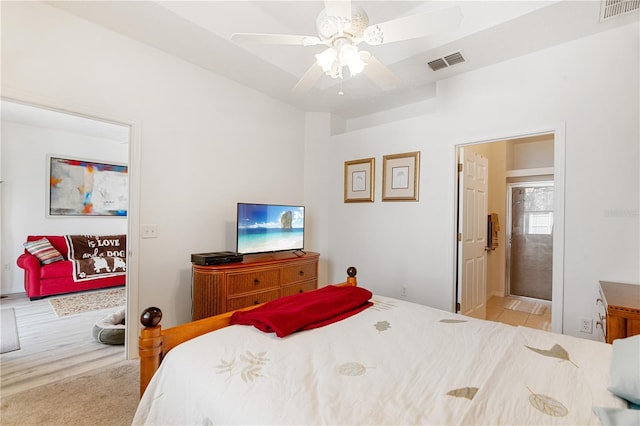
{"x": 326, "y": 59}
{"x": 350, "y": 57}
{"x": 348, "y": 53}
{"x": 356, "y": 66}
{"x": 342, "y": 26}
{"x": 333, "y": 59}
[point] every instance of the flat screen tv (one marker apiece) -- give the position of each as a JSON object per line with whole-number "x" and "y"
{"x": 264, "y": 228}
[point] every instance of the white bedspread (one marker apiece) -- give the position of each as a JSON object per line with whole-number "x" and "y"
{"x": 394, "y": 363}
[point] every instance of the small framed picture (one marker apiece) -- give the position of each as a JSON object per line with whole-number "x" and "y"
{"x": 358, "y": 180}
{"x": 400, "y": 176}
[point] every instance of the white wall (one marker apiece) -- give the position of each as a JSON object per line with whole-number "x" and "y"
{"x": 591, "y": 88}
{"x": 530, "y": 153}
{"x": 205, "y": 142}
{"x": 23, "y": 151}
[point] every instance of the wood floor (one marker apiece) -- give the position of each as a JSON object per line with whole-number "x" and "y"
{"x": 52, "y": 348}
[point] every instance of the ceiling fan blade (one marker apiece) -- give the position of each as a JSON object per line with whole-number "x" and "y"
{"x": 413, "y": 26}
{"x": 379, "y": 73}
{"x": 309, "y": 79}
{"x": 339, "y": 8}
{"x": 298, "y": 40}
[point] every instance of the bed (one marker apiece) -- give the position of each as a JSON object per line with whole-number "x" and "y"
{"x": 394, "y": 362}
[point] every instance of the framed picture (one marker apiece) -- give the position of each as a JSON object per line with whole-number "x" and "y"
{"x": 86, "y": 188}
{"x": 400, "y": 176}
{"x": 358, "y": 180}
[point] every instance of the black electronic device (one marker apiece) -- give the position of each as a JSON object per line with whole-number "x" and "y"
{"x": 216, "y": 258}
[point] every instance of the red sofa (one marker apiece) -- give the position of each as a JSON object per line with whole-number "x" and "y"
{"x": 57, "y": 278}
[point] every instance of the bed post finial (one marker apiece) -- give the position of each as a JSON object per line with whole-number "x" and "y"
{"x": 351, "y": 276}
{"x": 151, "y": 317}
{"x": 149, "y": 345}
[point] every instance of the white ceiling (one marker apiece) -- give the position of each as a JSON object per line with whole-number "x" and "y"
{"x": 199, "y": 32}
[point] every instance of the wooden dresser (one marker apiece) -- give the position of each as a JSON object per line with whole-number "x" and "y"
{"x": 620, "y": 305}
{"x": 257, "y": 279}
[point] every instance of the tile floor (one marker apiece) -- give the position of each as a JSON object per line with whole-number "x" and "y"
{"x": 496, "y": 312}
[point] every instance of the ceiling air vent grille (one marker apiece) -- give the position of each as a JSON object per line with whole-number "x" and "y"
{"x": 447, "y": 61}
{"x": 613, "y": 8}
{"x": 454, "y": 58}
{"x": 438, "y": 64}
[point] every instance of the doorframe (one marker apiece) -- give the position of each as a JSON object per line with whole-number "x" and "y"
{"x": 63, "y": 106}
{"x": 510, "y": 185}
{"x": 559, "y": 134}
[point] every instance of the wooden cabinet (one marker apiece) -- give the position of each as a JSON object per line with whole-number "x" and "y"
{"x": 257, "y": 279}
{"x": 620, "y": 310}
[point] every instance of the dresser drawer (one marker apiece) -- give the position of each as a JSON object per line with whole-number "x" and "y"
{"x": 257, "y": 279}
{"x": 300, "y": 287}
{"x": 252, "y": 299}
{"x": 251, "y": 281}
{"x": 300, "y": 272}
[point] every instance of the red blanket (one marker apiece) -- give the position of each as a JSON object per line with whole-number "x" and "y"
{"x": 305, "y": 311}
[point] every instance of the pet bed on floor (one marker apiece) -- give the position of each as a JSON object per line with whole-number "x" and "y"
{"x": 110, "y": 329}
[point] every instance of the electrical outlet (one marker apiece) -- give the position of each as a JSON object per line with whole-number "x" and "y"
{"x": 586, "y": 325}
{"x": 403, "y": 291}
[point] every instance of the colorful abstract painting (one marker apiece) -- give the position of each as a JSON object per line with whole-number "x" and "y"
{"x": 86, "y": 188}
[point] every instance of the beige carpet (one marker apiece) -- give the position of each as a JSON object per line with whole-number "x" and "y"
{"x": 104, "y": 397}
{"x": 90, "y": 301}
{"x": 528, "y": 307}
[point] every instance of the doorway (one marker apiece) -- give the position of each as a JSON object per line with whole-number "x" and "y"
{"x": 530, "y": 240}
{"x": 29, "y": 133}
{"x": 531, "y": 157}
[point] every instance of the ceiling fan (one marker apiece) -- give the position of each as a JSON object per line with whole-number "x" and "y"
{"x": 341, "y": 26}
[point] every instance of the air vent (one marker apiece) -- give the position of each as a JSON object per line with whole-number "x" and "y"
{"x": 447, "y": 61}
{"x": 454, "y": 58}
{"x": 438, "y": 64}
{"x": 613, "y": 8}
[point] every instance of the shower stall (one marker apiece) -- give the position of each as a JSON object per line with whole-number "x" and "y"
{"x": 530, "y": 239}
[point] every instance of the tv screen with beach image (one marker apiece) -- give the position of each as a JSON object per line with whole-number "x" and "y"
{"x": 266, "y": 228}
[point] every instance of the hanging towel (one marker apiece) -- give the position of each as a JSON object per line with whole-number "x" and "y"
{"x": 495, "y": 227}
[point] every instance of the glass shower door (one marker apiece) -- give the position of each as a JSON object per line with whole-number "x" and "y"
{"x": 530, "y": 257}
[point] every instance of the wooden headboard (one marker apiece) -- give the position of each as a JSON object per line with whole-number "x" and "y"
{"x": 154, "y": 342}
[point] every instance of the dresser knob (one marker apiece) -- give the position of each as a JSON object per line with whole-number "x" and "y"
{"x": 301, "y": 291}
{"x": 256, "y": 281}
{"x": 256, "y": 302}
{"x": 301, "y": 273}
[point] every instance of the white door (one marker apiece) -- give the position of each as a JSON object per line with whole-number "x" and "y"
{"x": 472, "y": 233}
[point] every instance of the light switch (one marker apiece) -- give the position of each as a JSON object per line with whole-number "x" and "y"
{"x": 149, "y": 231}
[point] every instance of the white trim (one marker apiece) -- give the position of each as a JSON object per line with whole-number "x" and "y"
{"x": 557, "y": 305}
{"x": 60, "y": 105}
{"x": 559, "y": 132}
{"x": 541, "y": 171}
